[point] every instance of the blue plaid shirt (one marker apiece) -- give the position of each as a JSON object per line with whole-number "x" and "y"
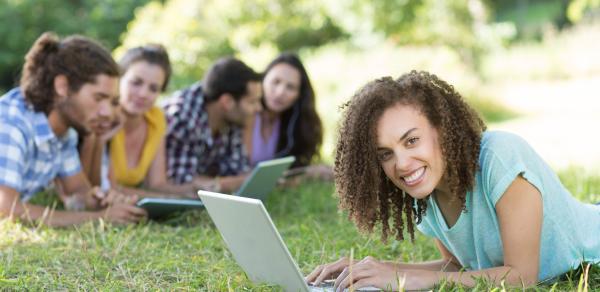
{"x": 31, "y": 156}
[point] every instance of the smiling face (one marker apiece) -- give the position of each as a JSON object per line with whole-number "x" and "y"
{"x": 409, "y": 150}
{"x": 282, "y": 87}
{"x": 140, "y": 87}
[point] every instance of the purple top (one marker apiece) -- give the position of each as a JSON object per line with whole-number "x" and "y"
{"x": 263, "y": 149}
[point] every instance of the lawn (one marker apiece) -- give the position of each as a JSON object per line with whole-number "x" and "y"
{"x": 186, "y": 252}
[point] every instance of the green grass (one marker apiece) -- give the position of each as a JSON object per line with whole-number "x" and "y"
{"x": 186, "y": 252}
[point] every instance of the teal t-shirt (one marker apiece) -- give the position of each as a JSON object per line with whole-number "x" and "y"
{"x": 570, "y": 229}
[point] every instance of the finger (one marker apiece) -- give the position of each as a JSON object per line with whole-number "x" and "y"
{"x": 329, "y": 271}
{"x": 104, "y": 203}
{"x": 313, "y": 275}
{"x": 139, "y": 212}
{"x": 366, "y": 282}
{"x": 351, "y": 271}
{"x": 341, "y": 277}
{"x": 357, "y": 273}
{"x": 98, "y": 193}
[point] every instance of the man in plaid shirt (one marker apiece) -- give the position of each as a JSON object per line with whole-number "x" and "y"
{"x": 205, "y": 122}
{"x": 66, "y": 84}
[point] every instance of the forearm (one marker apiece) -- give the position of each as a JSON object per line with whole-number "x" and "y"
{"x": 444, "y": 265}
{"x": 95, "y": 173}
{"x": 91, "y": 158}
{"x": 53, "y": 218}
{"x": 184, "y": 190}
{"x": 225, "y": 184}
{"x": 228, "y": 184}
{"x": 498, "y": 275}
{"x": 151, "y": 193}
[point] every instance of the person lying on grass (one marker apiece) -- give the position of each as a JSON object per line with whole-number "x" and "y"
{"x": 289, "y": 123}
{"x": 495, "y": 209}
{"x": 137, "y": 148}
{"x": 66, "y": 85}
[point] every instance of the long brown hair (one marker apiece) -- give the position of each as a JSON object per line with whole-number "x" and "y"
{"x": 78, "y": 58}
{"x": 361, "y": 184}
{"x": 301, "y": 131}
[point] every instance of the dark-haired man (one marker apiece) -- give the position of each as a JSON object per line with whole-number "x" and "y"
{"x": 205, "y": 122}
{"x": 66, "y": 84}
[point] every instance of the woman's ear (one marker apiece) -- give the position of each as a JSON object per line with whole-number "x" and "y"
{"x": 61, "y": 86}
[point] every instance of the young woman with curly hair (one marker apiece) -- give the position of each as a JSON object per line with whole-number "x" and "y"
{"x": 495, "y": 209}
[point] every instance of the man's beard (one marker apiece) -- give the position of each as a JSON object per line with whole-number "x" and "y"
{"x": 67, "y": 109}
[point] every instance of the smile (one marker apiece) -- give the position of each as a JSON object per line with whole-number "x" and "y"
{"x": 415, "y": 177}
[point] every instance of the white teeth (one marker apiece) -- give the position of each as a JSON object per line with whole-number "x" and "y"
{"x": 411, "y": 178}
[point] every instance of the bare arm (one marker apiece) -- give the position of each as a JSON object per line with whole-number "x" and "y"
{"x": 519, "y": 213}
{"x": 91, "y": 158}
{"x": 77, "y": 189}
{"x": 12, "y": 207}
{"x": 448, "y": 262}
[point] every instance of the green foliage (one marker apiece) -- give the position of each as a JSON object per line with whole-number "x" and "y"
{"x": 578, "y": 8}
{"x": 196, "y": 33}
{"x": 23, "y": 21}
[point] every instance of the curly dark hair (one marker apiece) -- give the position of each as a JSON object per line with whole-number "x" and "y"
{"x": 301, "y": 130}
{"x": 361, "y": 184}
{"x": 80, "y": 59}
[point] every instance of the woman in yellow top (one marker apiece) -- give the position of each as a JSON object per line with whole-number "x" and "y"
{"x": 137, "y": 148}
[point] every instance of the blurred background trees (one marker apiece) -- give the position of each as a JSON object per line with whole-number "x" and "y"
{"x": 23, "y": 21}
{"x": 196, "y": 32}
{"x": 509, "y": 58}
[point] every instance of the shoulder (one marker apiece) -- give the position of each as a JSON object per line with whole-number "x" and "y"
{"x": 503, "y": 157}
{"x": 13, "y": 106}
{"x": 500, "y": 139}
{"x": 12, "y": 131}
{"x": 502, "y": 145}
{"x": 14, "y": 116}
{"x": 184, "y": 96}
{"x": 156, "y": 117}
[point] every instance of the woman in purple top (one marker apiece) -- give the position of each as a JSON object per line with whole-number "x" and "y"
{"x": 289, "y": 123}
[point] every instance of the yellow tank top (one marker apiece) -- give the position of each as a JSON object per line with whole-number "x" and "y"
{"x": 133, "y": 177}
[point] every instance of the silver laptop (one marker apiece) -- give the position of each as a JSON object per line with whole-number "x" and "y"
{"x": 252, "y": 238}
{"x": 264, "y": 177}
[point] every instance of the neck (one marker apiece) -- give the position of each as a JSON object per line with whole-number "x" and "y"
{"x": 216, "y": 118}
{"x": 132, "y": 121}
{"x": 442, "y": 191}
{"x": 57, "y": 123}
{"x": 269, "y": 117}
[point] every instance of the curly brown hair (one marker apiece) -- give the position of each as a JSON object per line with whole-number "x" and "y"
{"x": 78, "y": 58}
{"x": 361, "y": 184}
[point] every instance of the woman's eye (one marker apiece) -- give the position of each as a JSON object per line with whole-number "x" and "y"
{"x": 291, "y": 87}
{"x": 384, "y": 156}
{"x": 412, "y": 140}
